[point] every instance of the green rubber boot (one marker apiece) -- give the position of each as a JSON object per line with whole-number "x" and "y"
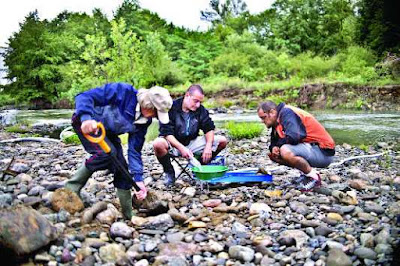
{"x": 78, "y": 181}
{"x": 125, "y": 199}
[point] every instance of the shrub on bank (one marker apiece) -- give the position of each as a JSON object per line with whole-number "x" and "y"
{"x": 244, "y": 130}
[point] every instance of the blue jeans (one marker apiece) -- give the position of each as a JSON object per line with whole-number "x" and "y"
{"x": 311, "y": 153}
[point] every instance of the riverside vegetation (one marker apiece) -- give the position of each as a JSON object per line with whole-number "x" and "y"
{"x": 284, "y": 47}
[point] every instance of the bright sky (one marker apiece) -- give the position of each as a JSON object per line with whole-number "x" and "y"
{"x": 180, "y": 12}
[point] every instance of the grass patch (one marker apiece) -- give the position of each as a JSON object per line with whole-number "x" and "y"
{"x": 18, "y": 128}
{"x": 72, "y": 139}
{"x": 244, "y": 130}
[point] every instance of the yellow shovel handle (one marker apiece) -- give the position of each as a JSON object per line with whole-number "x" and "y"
{"x": 100, "y": 139}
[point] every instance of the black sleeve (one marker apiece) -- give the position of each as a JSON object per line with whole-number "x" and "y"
{"x": 206, "y": 123}
{"x": 168, "y": 129}
{"x": 292, "y": 126}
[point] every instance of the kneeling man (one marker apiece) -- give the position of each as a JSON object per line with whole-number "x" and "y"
{"x": 298, "y": 140}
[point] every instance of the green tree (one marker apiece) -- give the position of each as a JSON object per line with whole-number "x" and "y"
{"x": 220, "y": 12}
{"x": 32, "y": 58}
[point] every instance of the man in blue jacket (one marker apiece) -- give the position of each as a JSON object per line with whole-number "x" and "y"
{"x": 121, "y": 109}
{"x": 180, "y": 137}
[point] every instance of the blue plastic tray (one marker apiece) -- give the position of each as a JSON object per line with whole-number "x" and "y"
{"x": 241, "y": 177}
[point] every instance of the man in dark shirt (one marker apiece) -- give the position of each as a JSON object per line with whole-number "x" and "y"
{"x": 180, "y": 137}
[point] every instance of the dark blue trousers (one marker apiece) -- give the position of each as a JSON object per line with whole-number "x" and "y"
{"x": 99, "y": 160}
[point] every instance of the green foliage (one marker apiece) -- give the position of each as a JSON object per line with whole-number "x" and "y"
{"x": 244, "y": 130}
{"x": 72, "y": 139}
{"x": 291, "y": 43}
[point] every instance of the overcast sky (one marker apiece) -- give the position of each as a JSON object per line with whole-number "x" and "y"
{"x": 180, "y": 12}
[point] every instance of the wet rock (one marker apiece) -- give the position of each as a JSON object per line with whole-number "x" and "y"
{"x": 244, "y": 254}
{"x": 66, "y": 199}
{"x": 120, "y": 229}
{"x": 24, "y": 230}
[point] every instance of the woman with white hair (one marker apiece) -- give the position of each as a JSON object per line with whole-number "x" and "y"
{"x": 121, "y": 109}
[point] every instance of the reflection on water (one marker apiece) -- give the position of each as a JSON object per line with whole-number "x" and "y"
{"x": 350, "y": 127}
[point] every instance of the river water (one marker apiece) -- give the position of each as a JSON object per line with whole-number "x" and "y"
{"x": 354, "y": 128}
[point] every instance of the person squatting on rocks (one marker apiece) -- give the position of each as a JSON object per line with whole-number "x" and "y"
{"x": 180, "y": 137}
{"x": 122, "y": 109}
{"x": 298, "y": 140}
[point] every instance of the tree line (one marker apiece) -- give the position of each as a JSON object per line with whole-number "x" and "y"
{"x": 50, "y": 61}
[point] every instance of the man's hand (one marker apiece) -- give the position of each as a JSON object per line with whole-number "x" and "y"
{"x": 207, "y": 153}
{"x": 89, "y": 126}
{"x": 275, "y": 154}
{"x": 141, "y": 195}
{"x": 186, "y": 153}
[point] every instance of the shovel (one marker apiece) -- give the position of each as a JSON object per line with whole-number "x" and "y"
{"x": 104, "y": 146}
{"x": 151, "y": 202}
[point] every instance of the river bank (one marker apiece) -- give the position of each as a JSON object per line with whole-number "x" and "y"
{"x": 352, "y": 220}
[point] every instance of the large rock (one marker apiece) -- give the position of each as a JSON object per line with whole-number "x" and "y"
{"x": 24, "y": 230}
{"x": 337, "y": 257}
{"x": 66, "y": 199}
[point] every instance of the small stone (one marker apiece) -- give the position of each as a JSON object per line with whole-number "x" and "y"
{"x": 212, "y": 203}
{"x": 335, "y": 216}
{"x": 336, "y": 257}
{"x": 175, "y": 237}
{"x": 358, "y": 184}
{"x": 365, "y": 253}
{"x": 120, "y": 229}
{"x": 371, "y": 206}
{"x": 244, "y": 254}
{"x": 259, "y": 208}
{"x": 367, "y": 240}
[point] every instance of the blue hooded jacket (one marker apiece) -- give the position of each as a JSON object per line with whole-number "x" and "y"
{"x": 114, "y": 105}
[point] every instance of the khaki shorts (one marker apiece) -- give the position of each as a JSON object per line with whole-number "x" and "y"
{"x": 196, "y": 146}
